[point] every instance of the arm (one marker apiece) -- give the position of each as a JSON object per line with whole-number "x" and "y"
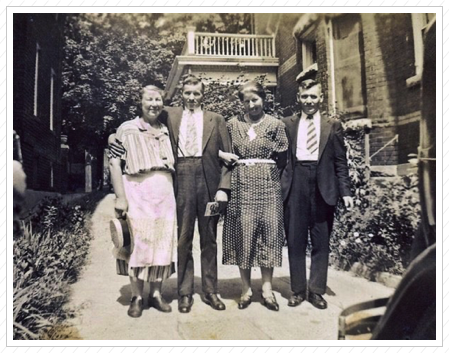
{"x": 121, "y": 204}
{"x": 225, "y": 145}
{"x": 281, "y": 160}
{"x": 282, "y": 146}
{"x": 341, "y": 166}
{"x": 116, "y": 150}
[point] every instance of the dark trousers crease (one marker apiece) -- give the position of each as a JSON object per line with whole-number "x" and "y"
{"x": 191, "y": 198}
{"x": 308, "y": 214}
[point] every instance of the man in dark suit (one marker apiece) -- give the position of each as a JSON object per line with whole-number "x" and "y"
{"x": 315, "y": 176}
{"x": 196, "y": 137}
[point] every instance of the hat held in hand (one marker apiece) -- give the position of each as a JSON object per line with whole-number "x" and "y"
{"x": 121, "y": 238}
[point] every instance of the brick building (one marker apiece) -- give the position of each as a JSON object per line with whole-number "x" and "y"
{"x": 369, "y": 66}
{"x": 38, "y": 42}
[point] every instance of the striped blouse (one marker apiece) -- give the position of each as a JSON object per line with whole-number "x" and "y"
{"x": 146, "y": 148}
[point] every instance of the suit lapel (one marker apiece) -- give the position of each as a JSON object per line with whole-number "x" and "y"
{"x": 208, "y": 126}
{"x": 175, "y": 121}
{"x": 325, "y": 130}
{"x": 294, "y": 134}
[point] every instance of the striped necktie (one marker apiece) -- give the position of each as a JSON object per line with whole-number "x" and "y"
{"x": 312, "y": 141}
{"x": 191, "y": 144}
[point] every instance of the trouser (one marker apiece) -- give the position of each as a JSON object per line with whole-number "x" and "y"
{"x": 308, "y": 213}
{"x": 192, "y": 197}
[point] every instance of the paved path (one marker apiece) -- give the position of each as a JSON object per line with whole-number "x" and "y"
{"x": 101, "y": 299}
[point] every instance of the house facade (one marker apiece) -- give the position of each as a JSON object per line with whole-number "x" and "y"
{"x": 369, "y": 66}
{"x": 38, "y": 43}
{"x": 225, "y": 57}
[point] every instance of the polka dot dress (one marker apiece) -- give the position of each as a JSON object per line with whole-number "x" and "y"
{"x": 253, "y": 228}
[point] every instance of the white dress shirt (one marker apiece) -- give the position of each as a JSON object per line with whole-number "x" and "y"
{"x": 183, "y": 128}
{"x": 302, "y": 153}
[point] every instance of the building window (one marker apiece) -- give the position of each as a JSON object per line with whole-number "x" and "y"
{"x": 306, "y": 46}
{"x": 308, "y": 54}
{"x": 52, "y": 91}
{"x": 420, "y": 21}
{"x": 347, "y": 65}
{"x": 36, "y": 78}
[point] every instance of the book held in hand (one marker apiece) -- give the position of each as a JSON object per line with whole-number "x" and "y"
{"x": 212, "y": 209}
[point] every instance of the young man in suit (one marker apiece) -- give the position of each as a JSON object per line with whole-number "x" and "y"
{"x": 196, "y": 137}
{"x": 315, "y": 176}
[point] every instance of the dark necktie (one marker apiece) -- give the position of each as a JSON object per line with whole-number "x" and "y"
{"x": 312, "y": 141}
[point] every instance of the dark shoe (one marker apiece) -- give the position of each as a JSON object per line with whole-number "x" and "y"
{"x": 159, "y": 303}
{"x": 296, "y": 299}
{"x": 245, "y": 301}
{"x": 317, "y": 301}
{"x": 215, "y": 302}
{"x": 270, "y": 303}
{"x": 185, "y": 303}
{"x": 136, "y": 307}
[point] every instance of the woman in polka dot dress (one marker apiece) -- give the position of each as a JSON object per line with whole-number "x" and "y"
{"x": 253, "y": 228}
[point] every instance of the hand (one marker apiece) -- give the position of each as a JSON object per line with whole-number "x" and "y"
{"x": 349, "y": 202}
{"x": 115, "y": 146}
{"x": 228, "y": 158}
{"x": 222, "y": 198}
{"x": 121, "y": 206}
{"x": 19, "y": 179}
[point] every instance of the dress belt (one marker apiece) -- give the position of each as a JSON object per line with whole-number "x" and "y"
{"x": 254, "y": 161}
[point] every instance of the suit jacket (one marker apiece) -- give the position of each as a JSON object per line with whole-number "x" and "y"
{"x": 332, "y": 170}
{"x": 215, "y": 138}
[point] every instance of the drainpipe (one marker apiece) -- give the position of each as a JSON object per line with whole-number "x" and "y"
{"x": 332, "y": 66}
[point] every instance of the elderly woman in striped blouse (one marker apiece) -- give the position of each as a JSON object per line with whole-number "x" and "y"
{"x": 144, "y": 191}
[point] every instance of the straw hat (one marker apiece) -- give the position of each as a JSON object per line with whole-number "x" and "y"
{"x": 121, "y": 238}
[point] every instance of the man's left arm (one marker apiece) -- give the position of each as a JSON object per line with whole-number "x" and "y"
{"x": 224, "y": 140}
{"x": 341, "y": 166}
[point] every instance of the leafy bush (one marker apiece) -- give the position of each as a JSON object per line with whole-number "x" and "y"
{"x": 47, "y": 258}
{"x": 377, "y": 233}
{"x": 221, "y": 96}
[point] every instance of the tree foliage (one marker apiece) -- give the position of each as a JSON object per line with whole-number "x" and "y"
{"x": 109, "y": 57}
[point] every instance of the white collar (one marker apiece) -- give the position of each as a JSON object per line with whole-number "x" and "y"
{"x": 317, "y": 115}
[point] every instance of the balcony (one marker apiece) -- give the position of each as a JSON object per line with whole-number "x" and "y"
{"x": 225, "y": 56}
{"x": 230, "y": 45}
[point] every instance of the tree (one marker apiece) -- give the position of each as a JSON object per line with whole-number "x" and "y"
{"x": 109, "y": 57}
{"x": 107, "y": 60}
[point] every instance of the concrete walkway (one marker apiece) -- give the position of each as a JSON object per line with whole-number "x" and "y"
{"x": 101, "y": 299}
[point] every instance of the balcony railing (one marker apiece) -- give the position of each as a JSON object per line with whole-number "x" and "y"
{"x": 229, "y": 45}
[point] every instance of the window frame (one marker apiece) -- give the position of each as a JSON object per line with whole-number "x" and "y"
{"x": 420, "y": 22}
{"x": 36, "y": 80}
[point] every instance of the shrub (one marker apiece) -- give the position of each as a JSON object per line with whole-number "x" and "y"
{"x": 378, "y": 232}
{"x": 47, "y": 258}
{"x": 221, "y": 97}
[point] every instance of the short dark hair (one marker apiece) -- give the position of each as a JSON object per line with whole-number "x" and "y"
{"x": 252, "y": 87}
{"x": 153, "y": 88}
{"x": 190, "y": 79}
{"x": 306, "y": 84}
